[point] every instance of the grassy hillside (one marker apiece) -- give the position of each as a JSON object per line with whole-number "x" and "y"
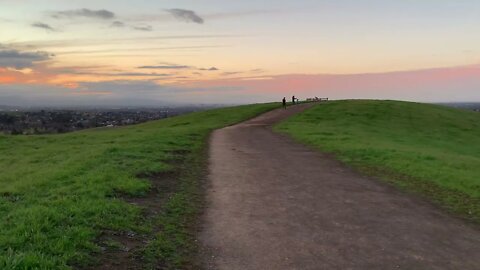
{"x": 429, "y": 149}
{"x": 64, "y": 198}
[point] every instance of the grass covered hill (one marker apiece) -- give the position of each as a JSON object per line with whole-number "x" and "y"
{"x": 429, "y": 149}
{"x": 103, "y": 198}
{"x": 99, "y": 198}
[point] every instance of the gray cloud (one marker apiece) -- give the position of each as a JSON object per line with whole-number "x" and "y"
{"x": 164, "y": 67}
{"x": 15, "y": 59}
{"x": 118, "y": 24}
{"x": 141, "y": 74}
{"x": 65, "y": 43}
{"x": 209, "y": 69}
{"x": 172, "y": 66}
{"x": 185, "y": 15}
{"x": 43, "y": 26}
{"x": 88, "y": 71}
{"x": 84, "y": 12}
{"x": 147, "y": 28}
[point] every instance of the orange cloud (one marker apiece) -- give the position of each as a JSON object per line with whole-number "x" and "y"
{"x": 9, "y": 76}
{"x": 6, "y": 79}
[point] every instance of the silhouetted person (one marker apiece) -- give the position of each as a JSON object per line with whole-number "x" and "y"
{"x": 293, "y": 100}
{"x": 284, "y": 101}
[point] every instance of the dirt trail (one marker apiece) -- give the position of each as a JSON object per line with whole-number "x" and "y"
{"x": 275, "y": 204}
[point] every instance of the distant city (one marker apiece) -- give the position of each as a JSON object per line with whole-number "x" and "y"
{"x": 18, "y": 121}
{"x": 474, "y": 106}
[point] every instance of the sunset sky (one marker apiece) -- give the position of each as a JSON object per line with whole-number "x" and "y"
{"x": 151, "y": 52}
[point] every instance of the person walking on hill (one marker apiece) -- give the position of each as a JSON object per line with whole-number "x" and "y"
{"x": 284, "y": 102}
{"x": 293, "y": 100}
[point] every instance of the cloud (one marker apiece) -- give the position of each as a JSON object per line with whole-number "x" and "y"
{"x": 177, "y": 67}
{"x": 66, "y": 43}
{"x": 43, "y": 26}
{"x": 172, "y": 66}
{"x": 185, "y": 15}
{"x": 164, "y": 67}
{"x": 117, "y": 24}
{"x": 10, "y": 58}
{"x": 84, "y": 12}
{"x": 231, "y": 73}
{"x": 87, "y": 71}
{"x": 257, "y": 70}
{"x": 147, "y": 28}
{"x": 140, "y": 74}
{"x": 209, "y": 69}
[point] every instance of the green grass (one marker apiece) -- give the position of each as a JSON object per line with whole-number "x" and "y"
{"x": 59, "y": 192}
{"x": 428, "y": 149}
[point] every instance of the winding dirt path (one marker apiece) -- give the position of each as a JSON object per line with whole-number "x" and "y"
{"x": 275, "y": 204}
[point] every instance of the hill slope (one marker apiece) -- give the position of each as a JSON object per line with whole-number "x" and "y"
{"x": 429, "y": 149}
{"x": 129, "y": 192}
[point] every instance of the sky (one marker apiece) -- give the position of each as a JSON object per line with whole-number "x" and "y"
{"x": 155, "y": 52}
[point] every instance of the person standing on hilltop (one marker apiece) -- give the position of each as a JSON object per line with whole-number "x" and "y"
{"x": 284, "y": 101}
{"x": 293, "y": 100}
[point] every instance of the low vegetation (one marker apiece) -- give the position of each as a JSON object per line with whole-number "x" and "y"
{"x": 428, "y": 149}
{"x": 67, "y": 199}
